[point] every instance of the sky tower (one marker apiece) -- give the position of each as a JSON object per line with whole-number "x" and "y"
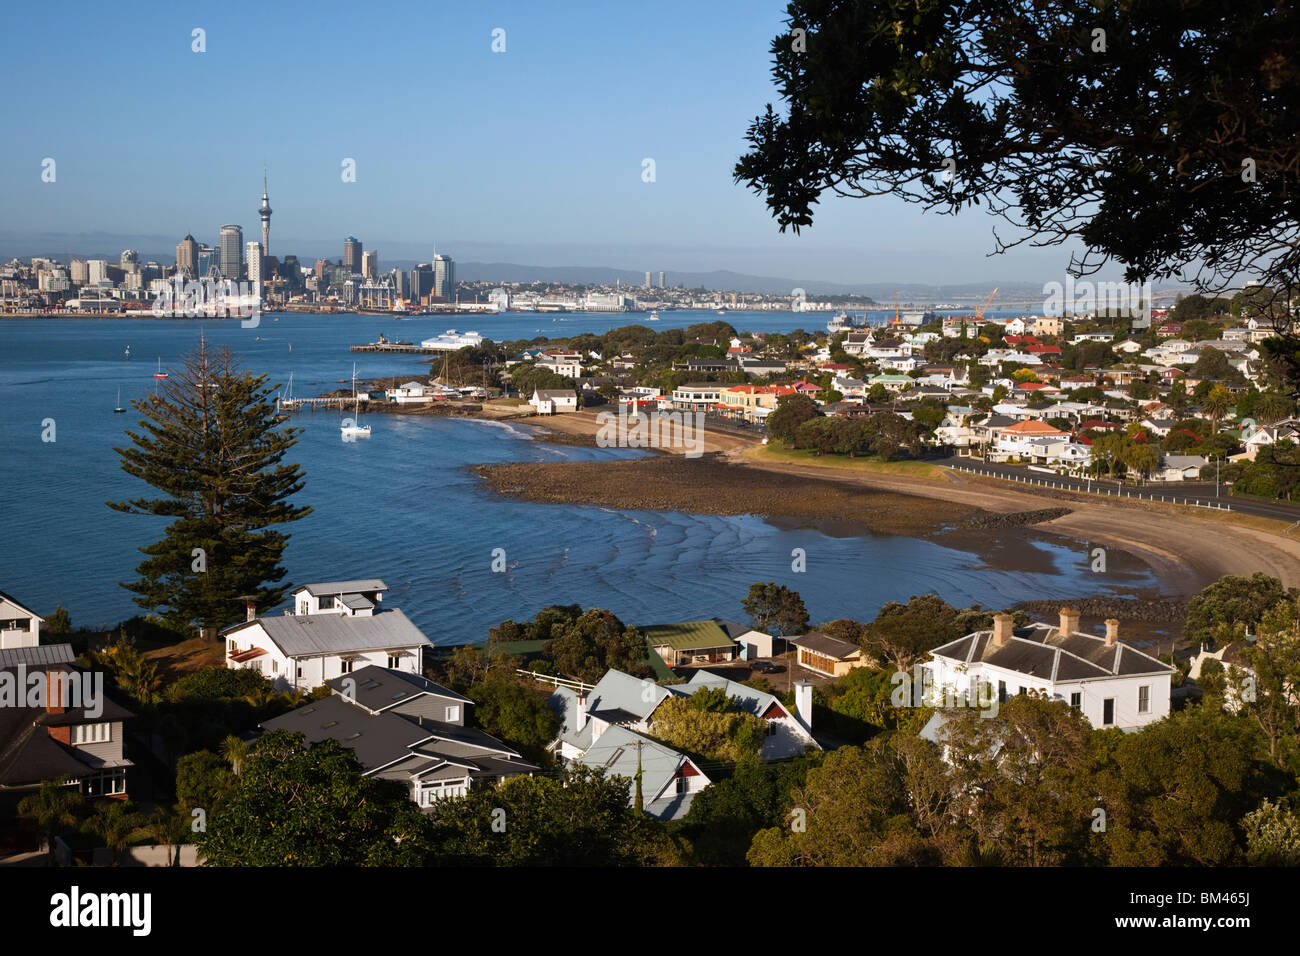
{"x": 264, "y": 211}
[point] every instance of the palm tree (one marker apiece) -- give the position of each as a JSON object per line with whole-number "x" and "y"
{"x": 235, "y": 751}
{"x": 1273, "y": 406}
{"x": 168, "y": 829}
{"x": 114, "y": 821}
{"x": 1216, "y": 405}
{"x": 54, "y": 808}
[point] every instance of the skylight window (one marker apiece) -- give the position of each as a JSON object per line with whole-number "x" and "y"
{"x": 328, "y": 724}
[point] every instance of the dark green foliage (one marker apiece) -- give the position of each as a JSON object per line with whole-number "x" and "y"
{"x": 1225, "y": 610}
{"x": 595, "y": 642}
{"x": 512, "y": 711}
{"x": 212, "y": 443}
{"x": 581, "y": 819}
{"x": 774, "y": 606}
{"x": 296, "y": 805}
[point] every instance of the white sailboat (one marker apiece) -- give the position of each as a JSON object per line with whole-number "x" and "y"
{"x": 351, "y": 429}
{"x": 119, "y": 407}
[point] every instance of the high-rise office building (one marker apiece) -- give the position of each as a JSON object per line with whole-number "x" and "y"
{"x": 208, "y": 261}
{"x": 321, "y": 266}
{"x": 647, "y": 280}
{"x": 98, "y": 271}
{"x": 444, "y": 277}
{"x": 352, "y": 254}
{"x": 370, "y": 264}
{"x": 264, "y": 212}
{"x": 130, "y": 259}
{"x": 79, "y": 270}
{"x": 187, "y": 256}
{"x": 422, "y": 282}
{"x": 254, "y": 260}
{"x": 232, "y": 251}
{"x": 661, "y": 280}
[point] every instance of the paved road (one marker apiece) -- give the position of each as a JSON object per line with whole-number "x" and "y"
{"x": 1198, "y": 493}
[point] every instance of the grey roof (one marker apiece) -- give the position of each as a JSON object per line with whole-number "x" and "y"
{"x": 307, "y": 635}
{"x": 616, "y": 752}
{"x": 1044, "y": 652}
{"x": 377, "y": 739}
{"x": 751, "y": 700}
{"x": 731, "y": 628}
{"x": 565, "y": 703}
{"x": 548, "y": 393}
{"x": 1186, "y": 461}
{"x": 378, "y": 688}
{"x": 825, "y": 644}
{"x": 39, "y": 656}
{"x": 617, "y": 691}
{"x": 357, "y": 602}
{"x": 360, "y": 586}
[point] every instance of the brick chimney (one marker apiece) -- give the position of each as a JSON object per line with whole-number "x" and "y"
{"x": 1112, "y": 632}
{"x": 1069, "y": 621}
{"x": 250, "y": 609}
{"x": 54, "y": 692}
{"x": 1002, "y": 624}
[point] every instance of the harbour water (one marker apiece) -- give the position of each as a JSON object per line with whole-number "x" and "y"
{"x": 405, "y": 506}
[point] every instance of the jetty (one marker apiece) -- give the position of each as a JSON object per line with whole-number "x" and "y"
{"x": 406, "y": 347}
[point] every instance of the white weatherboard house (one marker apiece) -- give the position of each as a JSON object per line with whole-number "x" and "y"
{"x": 19, "y": 627}
{"x": 1112, "y": 683}
{"x": 332, "y": 629}
{"x": 621, "y": 700}
{"x": 554, "y": 401}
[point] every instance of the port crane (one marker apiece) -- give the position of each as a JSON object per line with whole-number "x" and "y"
{"x": 979, "y": 313}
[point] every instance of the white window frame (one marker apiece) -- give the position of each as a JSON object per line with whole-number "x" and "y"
{"x": 100, "y": 733}
{"x": 1144, "y": 699}
{"x": 453, "y": 713}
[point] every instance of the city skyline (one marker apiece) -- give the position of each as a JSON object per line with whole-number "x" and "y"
{"x": 545, "y": 163}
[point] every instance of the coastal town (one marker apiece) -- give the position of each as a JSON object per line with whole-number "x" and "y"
{"x": 850, "y": 440}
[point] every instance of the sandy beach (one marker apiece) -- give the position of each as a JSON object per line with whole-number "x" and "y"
{"x": 1186, "y": 548}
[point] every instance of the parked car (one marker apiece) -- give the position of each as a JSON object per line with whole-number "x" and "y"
{"x": 767, "y": 667}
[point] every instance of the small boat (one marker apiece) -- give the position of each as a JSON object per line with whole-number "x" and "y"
{"x": 722, "y": 312}
{"x": 160, "y": 373}
{"x": 128, "y": 351}
{"x": 119, "y": 402}
{"x": 654, "y": 317}
{"x": 351, "y": 430}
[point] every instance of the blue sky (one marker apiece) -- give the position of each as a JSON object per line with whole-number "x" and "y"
{"x": 533, "y": 155}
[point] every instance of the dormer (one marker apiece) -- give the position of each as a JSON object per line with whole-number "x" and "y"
{"x": 347, "y": 598}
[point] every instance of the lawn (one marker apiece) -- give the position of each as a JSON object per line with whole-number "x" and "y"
{"x": 917, "y": 469}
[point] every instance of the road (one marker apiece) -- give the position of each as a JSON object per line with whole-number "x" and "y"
{"x": 1198, "y": 493}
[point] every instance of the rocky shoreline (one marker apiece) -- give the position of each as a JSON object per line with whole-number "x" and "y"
{"x": 1015, "y": 519}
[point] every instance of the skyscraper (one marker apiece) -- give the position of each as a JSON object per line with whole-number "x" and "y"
{"x": 661, "y": 280}
{"x": 209, "y": 262}
{"x": 187, "y": 256}
{"x": 352, "y": 254}
{"x": 444, "y": 277}
{"x": 370, "y": 264}
{"x": 130, "y": 259}
{"x": 80, "y": 271}
{"x": 264, "y": 211}
{"x": 422, "y": 283}
{"x": 232, "y": 251}
{"x": 255, "y": 266}
{"x": 647, "y": 280}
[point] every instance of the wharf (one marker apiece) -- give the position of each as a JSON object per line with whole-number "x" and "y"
{"x": 394, "y": 347}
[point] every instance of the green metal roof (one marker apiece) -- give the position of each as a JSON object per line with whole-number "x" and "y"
{"x": 688, "y": 636}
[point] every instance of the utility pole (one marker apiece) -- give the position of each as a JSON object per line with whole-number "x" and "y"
{"x": 640, "y": 797}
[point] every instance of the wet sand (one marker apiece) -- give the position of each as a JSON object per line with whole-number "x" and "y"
{"x": 1185, "y": 548}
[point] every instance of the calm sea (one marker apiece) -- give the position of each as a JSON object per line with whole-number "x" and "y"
{"x": 403, "y": 505}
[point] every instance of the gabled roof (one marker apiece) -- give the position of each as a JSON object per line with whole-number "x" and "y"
{"x": 377, "y": 739}
{"x": 617, "y": 753}
{"x": 21, "y": 607}
{"x": 307, "y": 635}
{"x": 617, "y": 691}
{"x": 379, "y": 688}
{"x": 751, "y": 700}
